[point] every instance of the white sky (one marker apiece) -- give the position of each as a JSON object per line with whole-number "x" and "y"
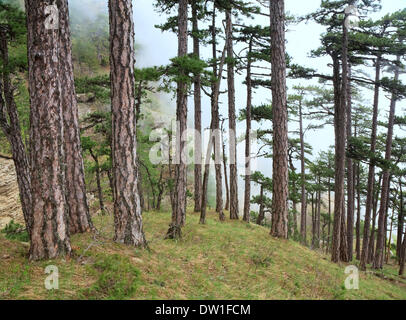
{"x": 157, "y": 48}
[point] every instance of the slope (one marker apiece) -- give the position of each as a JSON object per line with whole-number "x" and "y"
{"x": 230, "y": 260}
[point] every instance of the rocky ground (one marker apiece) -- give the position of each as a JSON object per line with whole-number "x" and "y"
{"x": 10, "y": 208}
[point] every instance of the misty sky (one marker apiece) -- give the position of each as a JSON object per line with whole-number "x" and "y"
{"x": 156, "y": 48}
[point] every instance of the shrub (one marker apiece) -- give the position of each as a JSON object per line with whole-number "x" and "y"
{"x": 15, "y": 231}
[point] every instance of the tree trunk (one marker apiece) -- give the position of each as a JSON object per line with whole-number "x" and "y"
{"x": 293, "y": 217}
{"x": 378, "y": 261}
{"x": 231, "y": 120}
{"x": 198, "y": 114}
{"x": 137, "y": 117}
{"x": 127, "y": 208}
{"x": 261, "y": 214}
{"x": 303, "y": 209}
{"x": 402, "y": 257}
{"x": 340, "y": 132}
{"x": 371, "y": 169}
{"x": 12, "y": 131}
{"x": 358, "y": 224}
{"x": 329, "y": 216}
{"x": 371, "y": 247}
{"x": 318, "y": 215}
{"x": 227, "y": 207}
{"x": 213, "y": 135}
{"x": 140, "y": 189}
{"x": 313, "y": 223}
{"x": 160, "y": 191}
{"x": 343, "y": 240}
{"x": 79, "y": 215}
{"x": 98, "y": 181}
{"x": 400, "y": 222}
{"x": 350, "y": 176}
{"x": 388, "y": 255}
{"x": 110, "y": 177}
{"x": 247, "y": 193}
{"x": 49, "y": 235}
{"x": 216, "y": 124}
{"x": 280, "y": 121}
{"x": 340, "y": 125}
{"x": 206, "y": 182}
{"x": 179, "y": 214}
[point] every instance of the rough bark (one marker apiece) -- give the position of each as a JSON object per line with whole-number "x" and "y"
{"x": 340, "y": 125}
{"x": 79, "y": 216}
{"x": 378, "y": 261}
{"x": 371, "y": 169}
{"x": 49, "y": 235}
{"x": 198, "y": 115}
{"x": 340, "y": 133}
{"x": 127, "y": 207}
{"x": 231, "y": 121}
{"x": 280, "y": 121}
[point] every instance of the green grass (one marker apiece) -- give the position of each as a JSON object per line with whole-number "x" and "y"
{"x": 230, "y": 260}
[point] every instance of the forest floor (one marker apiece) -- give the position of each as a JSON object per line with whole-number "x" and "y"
{"x": 229, "y": 260}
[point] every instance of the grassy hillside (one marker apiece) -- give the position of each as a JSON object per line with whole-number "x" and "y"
{"x": 230, "y": 260}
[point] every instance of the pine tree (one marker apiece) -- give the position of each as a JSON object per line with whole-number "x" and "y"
{"x": 378, "y": 261}
{"x": 179, "y": 205}
{"x": 79, "y": 216}
{"x": 47, "y": 154}
{"x": 280, "y": 119}
{"x": 127, "y": 208}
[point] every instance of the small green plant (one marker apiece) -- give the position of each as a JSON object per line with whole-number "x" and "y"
{"x": 117, "y": 278}
{"x": 261, "y": 260}
{"x": 15, "y": 231}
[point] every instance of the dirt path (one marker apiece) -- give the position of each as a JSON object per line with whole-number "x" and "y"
{"x": 10, "y": 208}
